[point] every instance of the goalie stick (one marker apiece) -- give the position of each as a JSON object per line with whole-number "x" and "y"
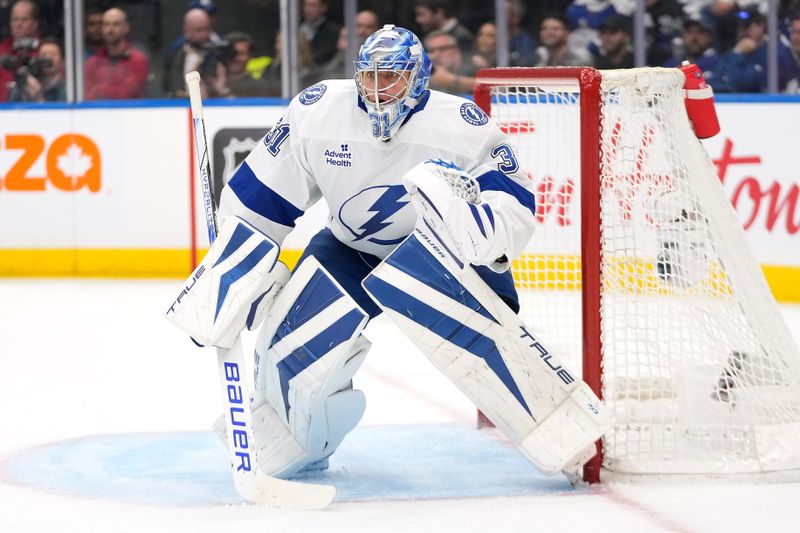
{"x": 252, "y": 484}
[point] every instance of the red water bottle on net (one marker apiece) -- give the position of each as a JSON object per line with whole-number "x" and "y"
{"x": 699, "y": 100}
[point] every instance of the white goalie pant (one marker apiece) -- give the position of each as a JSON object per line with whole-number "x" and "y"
{"x": 478, "y": 342}
{"x": 307, "y": 352}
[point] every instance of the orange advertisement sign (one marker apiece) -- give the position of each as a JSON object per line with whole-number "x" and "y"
{"x": 72, "y": 162}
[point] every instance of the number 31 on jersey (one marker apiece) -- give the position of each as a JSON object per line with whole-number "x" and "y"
{"x": 276, "y": 136}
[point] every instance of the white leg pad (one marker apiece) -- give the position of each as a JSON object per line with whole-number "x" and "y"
{"x": 307, "y": 353}
{"x": 561, "y": 441}
{"x": 478, "y": 342}
{"x": 279, "y": 452}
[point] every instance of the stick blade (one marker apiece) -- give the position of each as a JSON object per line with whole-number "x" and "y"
{"x": 285, "y": 494}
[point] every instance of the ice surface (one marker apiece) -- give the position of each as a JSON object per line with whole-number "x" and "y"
{"x": 374, "y": 463}
{"x": 105, "y": 412}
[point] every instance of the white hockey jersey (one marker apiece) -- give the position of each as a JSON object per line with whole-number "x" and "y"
{"x": 323, "y": 147}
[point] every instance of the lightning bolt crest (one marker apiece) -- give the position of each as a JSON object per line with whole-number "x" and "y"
{"x": 384, "y": 207}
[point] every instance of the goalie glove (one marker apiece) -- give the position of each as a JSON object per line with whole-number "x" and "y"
{"x": 449, "y": 200}
{"x": 232, "y": 288}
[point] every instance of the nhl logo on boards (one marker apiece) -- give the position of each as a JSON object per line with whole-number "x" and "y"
{"x": 312, "y": 94}
{"x": 473, "y": 114}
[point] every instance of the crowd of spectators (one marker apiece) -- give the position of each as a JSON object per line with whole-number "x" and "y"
{"x": 727, "y": 39}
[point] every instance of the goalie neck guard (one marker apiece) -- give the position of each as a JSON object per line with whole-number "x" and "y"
{"x": 392, "y": 73}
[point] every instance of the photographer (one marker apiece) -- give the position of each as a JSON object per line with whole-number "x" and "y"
{"x": 199, "y": 38}
{"x": 117, "y": 70}
{"x": 242, "y": 75}
{"x": 215, "y": 69}
{"x": 19, "y": 47}
{"x": 42, "y": 78}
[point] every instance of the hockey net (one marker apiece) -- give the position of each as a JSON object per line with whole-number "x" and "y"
{"x": 639, "y": 274}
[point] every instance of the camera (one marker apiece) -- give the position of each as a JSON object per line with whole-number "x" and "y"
{"x": 23, "y": 63}
{"x": 216, "y": 53}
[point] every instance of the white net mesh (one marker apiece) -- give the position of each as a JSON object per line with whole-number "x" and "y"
{"x": 698, "y": 366}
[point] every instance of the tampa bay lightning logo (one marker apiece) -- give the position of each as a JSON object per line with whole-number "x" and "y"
{"x": 312, "y": 94}
{"x": 370, "y": 215}
{"x": 473, "y": 114}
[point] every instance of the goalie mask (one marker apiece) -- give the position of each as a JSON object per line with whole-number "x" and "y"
{"x": 392, "y": 75}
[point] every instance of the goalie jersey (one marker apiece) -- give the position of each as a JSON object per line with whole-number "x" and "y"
{"x": 323, "y": 148}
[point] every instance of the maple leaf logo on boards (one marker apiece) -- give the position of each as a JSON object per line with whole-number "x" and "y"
{"x": 74, "y": 163}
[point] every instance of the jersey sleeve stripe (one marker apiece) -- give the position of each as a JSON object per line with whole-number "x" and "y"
{"x": 260, "y": 199}
{"x": 494, "y": 180}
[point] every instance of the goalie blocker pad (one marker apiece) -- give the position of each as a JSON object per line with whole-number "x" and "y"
{"x": 478, "y": 342}
{"x": 233, "y": 286}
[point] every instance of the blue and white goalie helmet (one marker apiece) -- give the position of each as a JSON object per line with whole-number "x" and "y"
{"x": 392, "y": 75}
